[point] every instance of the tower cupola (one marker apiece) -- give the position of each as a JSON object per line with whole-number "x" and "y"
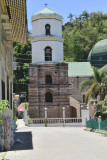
{"x": 47, "y": 41}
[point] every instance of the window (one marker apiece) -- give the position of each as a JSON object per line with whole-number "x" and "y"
{"x": 48, "y": 79}
{"x": 47, "y": 29}
{"x": 48, "y": 54}
{"x": 3, "y": 90}
{"x": 48, "y": 97}
{"x": 7, "y": 88}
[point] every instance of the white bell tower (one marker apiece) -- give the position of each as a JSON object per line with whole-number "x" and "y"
{"x": 47, "y": 41}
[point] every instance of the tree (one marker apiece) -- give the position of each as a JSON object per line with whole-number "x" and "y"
{"x": 85, "y": 16}
{"x": 23, "y": 58}
{"x": 95, "y": 85}
{"x": 71, "y": 16}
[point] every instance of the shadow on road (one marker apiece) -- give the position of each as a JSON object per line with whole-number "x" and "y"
{"x": 23, "y": 141}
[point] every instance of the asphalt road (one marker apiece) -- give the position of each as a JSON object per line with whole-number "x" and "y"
{"x": 57, "y": 143}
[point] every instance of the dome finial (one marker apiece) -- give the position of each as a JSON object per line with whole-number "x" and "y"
{"x": 46, "y": 4}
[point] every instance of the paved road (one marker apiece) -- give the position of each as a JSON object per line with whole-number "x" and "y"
{"x": 57, "y": 143}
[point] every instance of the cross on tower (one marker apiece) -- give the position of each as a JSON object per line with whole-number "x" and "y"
{"x": 46, "y": 4}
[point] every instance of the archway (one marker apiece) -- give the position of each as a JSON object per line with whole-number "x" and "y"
{"x": 73, "y": 112}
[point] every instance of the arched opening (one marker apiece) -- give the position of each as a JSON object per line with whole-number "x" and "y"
{"x": 48, "y": 79}
{"x": 73, "y": 112}
{"x": 47, "y": 29}
{"x": 48, "y": 97}
{"x": 48, "y": 54}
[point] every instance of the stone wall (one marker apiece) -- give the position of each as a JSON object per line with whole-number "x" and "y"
{"x": 38, "y": 88}
{"x": 7, "y": 129}
{"x": 75, "y": 87}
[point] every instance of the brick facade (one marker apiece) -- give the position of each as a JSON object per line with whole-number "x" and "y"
{"x": 38, "y": 89}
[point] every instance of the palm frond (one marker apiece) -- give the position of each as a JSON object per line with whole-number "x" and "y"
{"x": 92, "y": 92}
{"x": 103, "y": 74}
{"x": 97, "y": 75}
{"x": 86, "y": 83}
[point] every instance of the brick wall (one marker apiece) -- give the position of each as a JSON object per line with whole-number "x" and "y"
{"x": 38, "y": 87}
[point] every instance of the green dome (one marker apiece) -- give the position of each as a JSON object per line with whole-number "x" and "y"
{"x": 98, "y": 55}
{"x": 46, "y": 12}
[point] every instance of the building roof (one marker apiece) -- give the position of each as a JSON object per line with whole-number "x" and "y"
{"x": 99, "y": 49}
{"x": 14, "y": 20}
{"x": 46, "y": 12}
{"x": 21, "y": 108}
{"x": 98, "y": 55}
{"x": 79, "y": 69}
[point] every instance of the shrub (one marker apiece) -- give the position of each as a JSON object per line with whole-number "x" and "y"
{"x": 3, "y": 105}
{"x": 30, "y": 121}
{"x": 104, "y": 115}
{"x": 105, "y": 100}
{"x": 98, "y": 113}
{"x": 14, "y": 111}
{"x": 104, "y": 108}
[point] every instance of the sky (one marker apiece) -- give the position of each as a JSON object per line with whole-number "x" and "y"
{"x": 65, "y": 7}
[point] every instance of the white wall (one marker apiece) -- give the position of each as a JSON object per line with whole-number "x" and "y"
{"x": 38, "y": 27}
{"x": 38, "y": 51}
{"x": 84, "y": 113}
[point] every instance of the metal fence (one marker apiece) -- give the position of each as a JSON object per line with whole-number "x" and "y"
{"x": 101, "y": 125}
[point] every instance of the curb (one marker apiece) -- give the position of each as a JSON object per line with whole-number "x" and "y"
{"x": 96, "y": 131}
{"x": 3, "y": 154}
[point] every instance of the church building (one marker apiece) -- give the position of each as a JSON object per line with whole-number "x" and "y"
{"x": 48, "y": 75}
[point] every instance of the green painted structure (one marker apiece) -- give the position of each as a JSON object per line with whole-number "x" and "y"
{"x": 98, "y": 55}
{"x": 81, "y": 69}
{"x": 46, "y": 12}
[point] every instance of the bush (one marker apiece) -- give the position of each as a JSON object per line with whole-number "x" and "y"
{"x": 3, "y": 105}
{"x": 103, "y": 114}
{"x": 30, "y": 121}
{"x": 98, "y": 113}
{"x": 105, "y": 100}
{"x": 14, "y": 111}
{"x": 104, "y": 108}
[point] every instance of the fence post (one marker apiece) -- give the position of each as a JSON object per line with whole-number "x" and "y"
{"x": 45, "y": 117}
{"x": 86, "y": 121}
{"x": 99, "y": 121}
{"x": 25, "y": 117}
{"x": 63, "y": 116}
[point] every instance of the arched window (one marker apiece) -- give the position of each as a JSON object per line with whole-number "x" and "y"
{"x": 47, "y": 29}
{"x": 48, "y": 54}
{"x": 48, "y": 97}
{"x": 48, "y": 79}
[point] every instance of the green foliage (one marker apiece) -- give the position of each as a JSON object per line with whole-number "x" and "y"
{"x": 96, "y": 86}
{"x": 81, "y": 33}
{"x": 26, "y": 105}
{"x": 3, "y": 105}
{"x": 100, "y": 103}
{"x": 101, "y": 113}
{"x": 14, "y": 111}
{"x": 23, "y": 58}
{"x": 30, "y": 121}
{"x": 98, "y": 113}
{"x": 104, "y": 108}
{"x": 93, "y": 91}
{"x": 105, "y": 100}
{"x": 86, "y": 83}
{"x": 97, "y": 75}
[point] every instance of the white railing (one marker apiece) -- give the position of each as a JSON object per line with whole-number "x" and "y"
{"x": 54, "y": 120}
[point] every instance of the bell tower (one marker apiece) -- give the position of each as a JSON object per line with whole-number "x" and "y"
{"x": 47, "y": 41}
{"x": 48, "y": 77}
